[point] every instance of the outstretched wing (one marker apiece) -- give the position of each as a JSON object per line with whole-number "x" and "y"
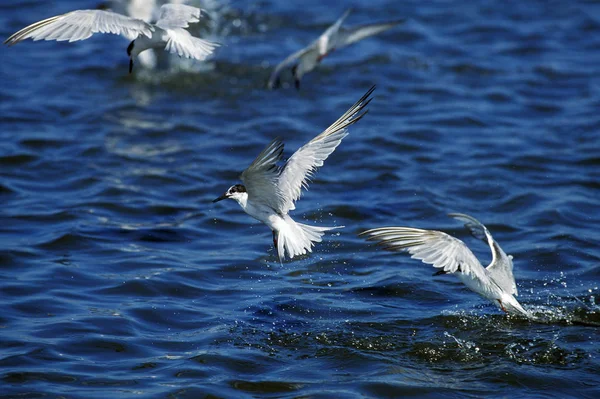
{"x": 347, "y": 36}
{"x": 182, "y": 43}
{"x": 436, "y": 248}
{"x": 274, "y": 78}
{"x": 329, "y": 38}
{"x": 260, "y": 178}
{"x": 475, "y": 227}
{"x": 80, "y": 25}
{"x": 500, "y": 269}
{"x": 300, "y": 167}
{"x": 173, "y": 19}
{"x": 174, "y": 16}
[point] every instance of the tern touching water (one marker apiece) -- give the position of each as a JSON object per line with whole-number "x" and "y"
{"x": 496, "y": 282}
{"x": 335, "y": 37}
{"x": 269, "y": 192}
{"x": 168, "y": 32}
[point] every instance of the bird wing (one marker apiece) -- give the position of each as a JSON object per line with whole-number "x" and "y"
{"x": 174, "y": 16}
{"x": 500, "y": 268}
{"x": 475, "y": 227}
{"x": 321, "y": 45}
{"x": 260, "y": 178}
{"x": 273, "y": 79}
{"x": 347, "y": 36}
{"x": 80, "y": 25}
{"x": 329, "y": 38}
{"x": 300, "y": 167}
{"x": 181, "y": 42}
{"x": 433, "y": 247}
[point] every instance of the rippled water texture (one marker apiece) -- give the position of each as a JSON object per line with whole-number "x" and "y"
{"x": 120, "y": 278}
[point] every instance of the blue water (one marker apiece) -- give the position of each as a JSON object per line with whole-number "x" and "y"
{"x": 120, "y": 278}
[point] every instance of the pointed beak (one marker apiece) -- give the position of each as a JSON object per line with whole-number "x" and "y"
{"x": 130, "y": 65}
{"x": 221, "y": 198}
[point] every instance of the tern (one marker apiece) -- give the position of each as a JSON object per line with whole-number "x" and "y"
{"x": 146, "y": 10}
{"x": 269, "y": 192}
{"x": 168, "y": 32}
{"x": 495, "y": 282}
{"x": 335, "y": 37}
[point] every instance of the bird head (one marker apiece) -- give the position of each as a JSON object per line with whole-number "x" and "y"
{"x": 237, "y": 192}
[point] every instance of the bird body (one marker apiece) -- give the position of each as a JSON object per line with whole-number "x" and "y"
{"x": 335, "y": 37}
{"x": 168, "y": 32}
{"x": 495, "y": 282}
{"x": 269, "y": 192}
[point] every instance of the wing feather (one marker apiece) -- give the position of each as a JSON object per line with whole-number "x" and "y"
{"x": 80, "y": 25}
{"x": 329, "y": 39}
{"x": 260, "y": 178}
{"x": 430, "y": 246}
{"x": 182, "y": 43}
{"x": 173, "y": 16}
{"x": 347, "y": 36}
{"x": 500, "y": 269}
{"x": 302, "y": 165}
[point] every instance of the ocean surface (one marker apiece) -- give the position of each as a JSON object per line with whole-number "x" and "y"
{"x": 120, "y": 278}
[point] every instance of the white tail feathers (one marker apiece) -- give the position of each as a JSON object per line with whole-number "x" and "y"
{"x": 297, "y": 239}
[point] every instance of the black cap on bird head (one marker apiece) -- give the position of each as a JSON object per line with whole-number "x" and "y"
{"x": 238, "y": 188}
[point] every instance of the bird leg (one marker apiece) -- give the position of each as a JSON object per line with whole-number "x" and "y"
{"x": 296, "y": 80}
{"x": 275, "y": 239}
{"x": 502, "y": 306}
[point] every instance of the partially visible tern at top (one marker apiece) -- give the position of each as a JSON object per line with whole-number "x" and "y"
{"x": 168, "y": 32}
{"x": 147, "y": 11}
{"x": 335, "y": 37}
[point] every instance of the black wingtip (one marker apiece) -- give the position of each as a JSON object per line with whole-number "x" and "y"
{"x": 297, "y": 84}
{"x": 370, "y": 91}
{"x": 130, "y": 65}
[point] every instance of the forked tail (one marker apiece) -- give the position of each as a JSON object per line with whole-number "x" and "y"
{"x": 296, "y": 238}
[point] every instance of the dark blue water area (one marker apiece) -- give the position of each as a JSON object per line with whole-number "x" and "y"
{"x": 120, "y": 278}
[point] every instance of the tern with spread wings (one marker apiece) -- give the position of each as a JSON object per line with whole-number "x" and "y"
{"x": 168, "y": 32}
{"x": 269, "y": 192}
{"x": 335, "y": 37}
{"x": 147, "y": 11}
{"x": 495, "y": 282}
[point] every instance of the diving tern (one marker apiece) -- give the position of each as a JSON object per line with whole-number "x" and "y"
{"x": 168, "y": 32}
{"x": 495, "y": 282}
{"x": 269, "y": 192}
{"x": 335, "y": 37}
